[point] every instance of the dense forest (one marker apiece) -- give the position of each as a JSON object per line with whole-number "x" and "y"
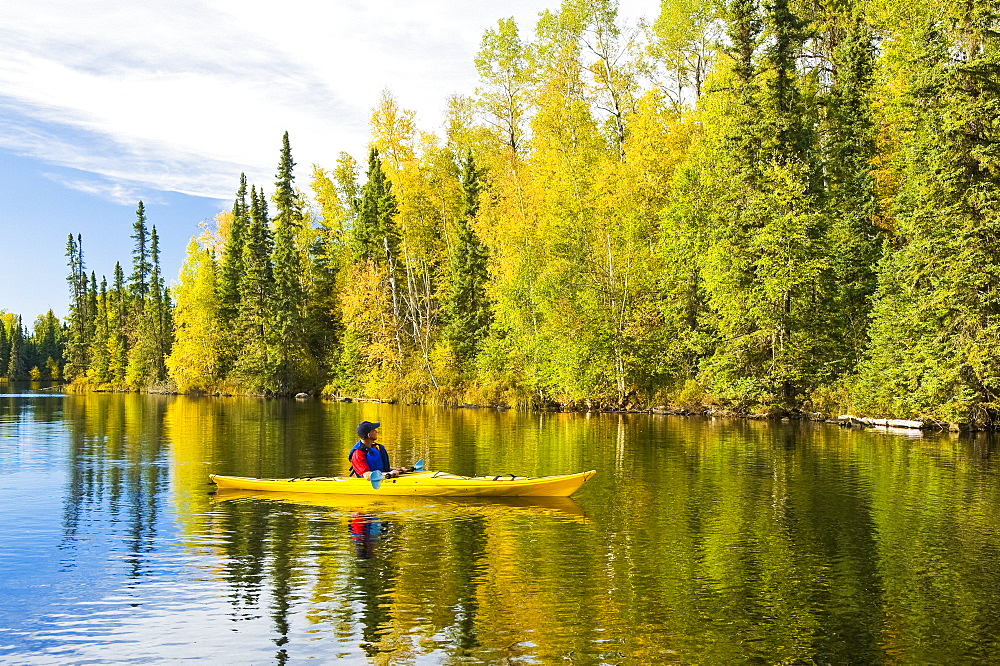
{"x": 756, "y": 206}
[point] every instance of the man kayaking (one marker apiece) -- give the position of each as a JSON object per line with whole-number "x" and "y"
{"x": 368, "y": 455}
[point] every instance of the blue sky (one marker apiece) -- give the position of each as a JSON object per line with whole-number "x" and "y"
{"x": 108, "y": 102}
{"x": 38, "y": 210}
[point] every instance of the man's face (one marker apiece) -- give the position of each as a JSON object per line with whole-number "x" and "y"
{"x": 373, "y": 435}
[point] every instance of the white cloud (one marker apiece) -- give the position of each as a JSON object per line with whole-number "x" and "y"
{"x": 186, "y": 94}
{"x": 117, "y": 192}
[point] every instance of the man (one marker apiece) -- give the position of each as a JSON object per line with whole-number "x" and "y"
{"x": 368, "y": 455}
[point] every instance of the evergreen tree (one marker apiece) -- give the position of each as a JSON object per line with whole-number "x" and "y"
{"x": 99, "y": 358}
{"x": 764, "y": 256}
{"x": 288, "y": 296}
{"x": 254, "y": 366}
{"x": 140, "y": 257}
{"x": 146, "y": 361}
{"x": 78, "y": 324}
{"x": 323, "y": 321}
{"x": 937, "y": 310}
{"x": 117, "y": 338}
{"x": 376, "y": 236}
{"x": 159, "y": 309}
{"x": 16, "y": 367}
{"x": 91, "y": 328}
{"x": 232, "y": 259}
{"x": 48, "y": 342}
{"x": 790, "y": 125}
{"x": 466, "y": 308}
{"x": 322, "y": 307}
{"x": 4, "y": 349}
{"x": 855, "y": 238}
{"x": 286, "y": 199}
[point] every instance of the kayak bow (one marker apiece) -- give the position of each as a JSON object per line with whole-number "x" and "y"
{"x": 438, "y": 484}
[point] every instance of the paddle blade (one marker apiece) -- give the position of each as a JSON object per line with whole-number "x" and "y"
{"x": 376, "y": 479}
{"x": 418, "y": 466}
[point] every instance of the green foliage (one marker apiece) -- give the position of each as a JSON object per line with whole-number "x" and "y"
{"x": 100, "y": 359}
{"x": 79, "y": 316}
{"x": 17, "y": 365}
{"x": 4, "y": 348}
{"x": 287, "y": 335}
{"x": 153, "y": 332}
{"x": 767, "y": 206}
{"x": 375, "y": 234}
{"x": 504, "y": 66}
{"x": 937, "y": 314}
{"x": 232, "y": 259}
{"x": 141, "y": 266}
{"x": 254, "y": 366}
{"x": 466, "y": 308}
{"x": 118, "y": 309}
{"x": 851, "y": 200}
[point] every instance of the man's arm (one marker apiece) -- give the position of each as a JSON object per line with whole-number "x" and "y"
{"x": 360, "y": 463}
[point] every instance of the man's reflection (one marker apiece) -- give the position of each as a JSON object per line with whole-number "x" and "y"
{"x": 365, "y": 532}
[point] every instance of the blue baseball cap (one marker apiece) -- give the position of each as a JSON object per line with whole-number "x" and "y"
{"x": 366, "y": 427}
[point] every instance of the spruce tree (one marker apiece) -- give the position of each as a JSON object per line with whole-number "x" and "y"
{"x": 140, "y": 257}
{"x": 937, "y": 311}
{"x": 286, "y": 199}
{"x": 322, "y": 307}
{"x": 78, "y": 324}
{"x": 745, "y": 26}
{"x": 288, "y": 333}
{"x": 48, "y": 339}
{"x": 254, "y": 366}
{"x": 466, "y": 309}
{"x": 854, "y": 236}
{"x": 764, "y": 251}
{"x": 146, "y": 360}
{"x": 16, "y": 368}
{"x": 159, "y": 310}
{"x": 232, "y": 259}
{"x": 376, "y": 235}
{"x": 117, "y": 336}
{"x": 4, "y": 349}
{"x": 91, "y": 328}
{"x": 790, "y": 127}
{"x": 99, "y": 357}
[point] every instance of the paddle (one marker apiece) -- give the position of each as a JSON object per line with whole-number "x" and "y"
{"x": 377, "y": 476}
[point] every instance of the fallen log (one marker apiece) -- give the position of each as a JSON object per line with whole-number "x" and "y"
{"x": 859, "y": 422}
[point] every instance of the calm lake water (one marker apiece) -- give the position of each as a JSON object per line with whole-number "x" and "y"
{"x": 699, "y": 541}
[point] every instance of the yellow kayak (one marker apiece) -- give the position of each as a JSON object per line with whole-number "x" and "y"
{"x": 437, "y": 484}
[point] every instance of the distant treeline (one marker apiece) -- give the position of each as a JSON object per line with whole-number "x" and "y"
{"x": 35, "y": 354}
{"x": 117, "y": 336}
{"x": 761, "y": 206}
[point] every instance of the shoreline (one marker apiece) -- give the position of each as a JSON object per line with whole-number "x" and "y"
{"x": 843, "y": 420}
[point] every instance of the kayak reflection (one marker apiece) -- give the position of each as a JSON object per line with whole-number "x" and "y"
{"x": 453, "y": 552}
{"x": 565, "y": 507}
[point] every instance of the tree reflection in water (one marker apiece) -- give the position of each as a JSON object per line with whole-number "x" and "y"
{"x": 118, "y": 469}
{"x": 701, "y": 541}
{"x": 374, "y": 576}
